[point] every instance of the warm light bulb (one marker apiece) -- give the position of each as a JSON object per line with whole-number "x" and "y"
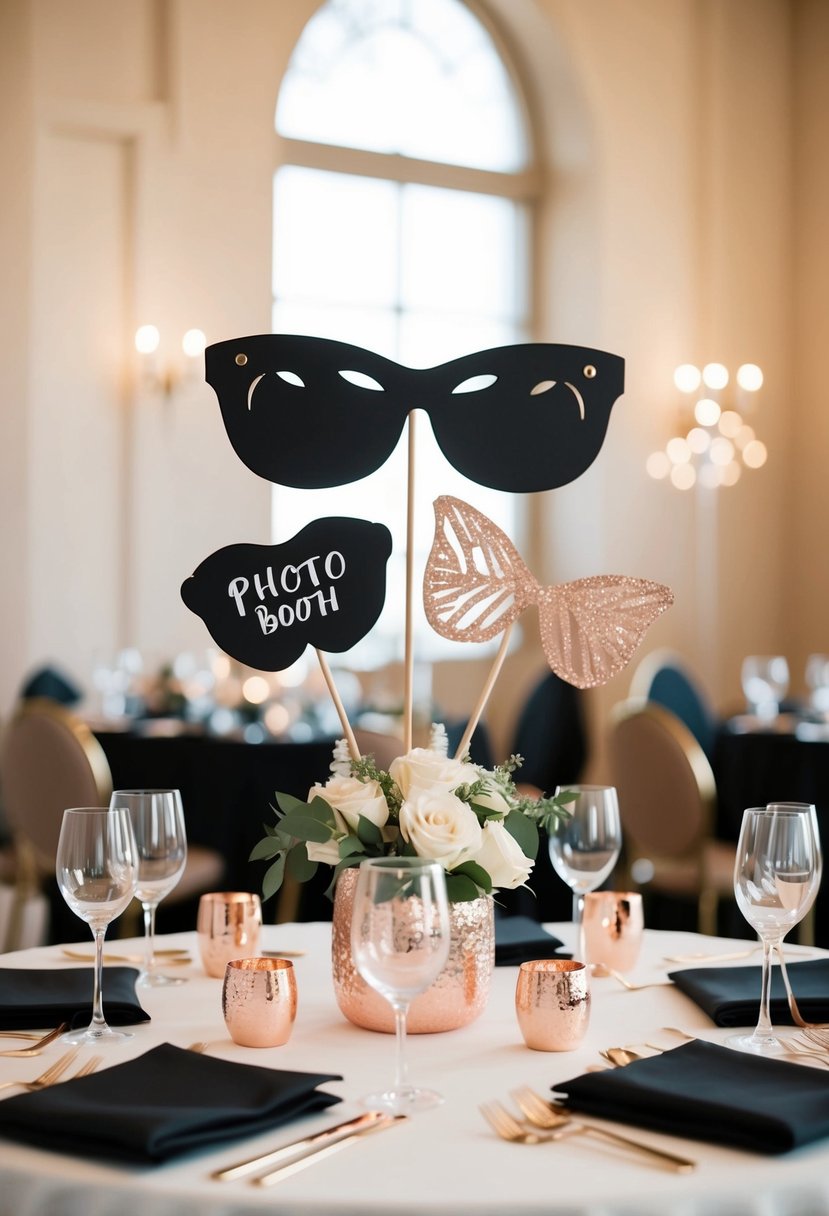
{"x": 744, "y": 436}
{"x": 678, "y": 450}
{"x": 193, "y": 343}
{"x": 277, "y": 719}
{"x": 750, "y": 377}
{"x": 683, "y": 476}
{"x": 707, "y": 412}
{"x": 715, "y": 375}
{"x": 698, "y": 440}
{"x": 730, "y": 475}
{"x": 256, "y": 690}
{"x": 755, "y": 454}
{"x": 658, "y": 465}
{"x": 722, "y": 451}
{"x": 730, "y": 423}
{"x": 710, "y": 476}
{"x": 147, "y": 339}
{"x": 687, "y": 378}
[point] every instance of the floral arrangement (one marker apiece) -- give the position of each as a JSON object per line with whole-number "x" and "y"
{"x": 472, "y": 820}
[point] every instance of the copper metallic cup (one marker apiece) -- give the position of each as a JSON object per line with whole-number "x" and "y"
{"x": 229, "y": 926}
{"x": 613, "y": 925}
{"x": 259, "y": 1001}
{"x": 552, "y": 1003}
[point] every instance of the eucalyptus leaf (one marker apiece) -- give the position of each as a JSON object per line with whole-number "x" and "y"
{"x": 368, "y": 832}
{"x": 477, "y": 873}
{"x": 265, "y": 849}
{"x": 273, "y": 877}
{"x": 304, "y": 826}
{"x": 460, "y": 889}
{"x": 288, "y": 802}
{"x": 299, "y": 865}
{"x": 524, "y": 832}
{"x": 349, "y": 845}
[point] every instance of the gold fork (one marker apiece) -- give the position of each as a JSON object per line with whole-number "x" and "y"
{"x": 89, "y": 1066}
{"x": 542, "y": 1114}
{"x": 49, "y": 1077}
{"x": 37, "y": 1048}
{"x": 199, "y": 1048}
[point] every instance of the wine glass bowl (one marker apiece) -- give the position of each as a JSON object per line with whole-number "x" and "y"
{"x": 765, "y": 682}
{"x": 96, "y": 867}
{"x": 776, "y": 876}
{"x": 585, "y": 847}
{"x": 161, "y": 840}
{"x": 400, "y": 942}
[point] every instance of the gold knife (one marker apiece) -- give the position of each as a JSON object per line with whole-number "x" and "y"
{"x": 358, "y": 1124}
{"x": 317, "y": 1154}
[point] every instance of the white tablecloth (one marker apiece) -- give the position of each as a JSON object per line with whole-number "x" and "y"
{"x": 445, "y": 1161}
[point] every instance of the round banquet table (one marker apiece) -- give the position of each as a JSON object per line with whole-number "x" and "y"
{"x": 445, "y": 1161}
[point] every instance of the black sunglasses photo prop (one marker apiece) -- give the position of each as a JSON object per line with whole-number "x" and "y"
{"x": 314, "y": 413}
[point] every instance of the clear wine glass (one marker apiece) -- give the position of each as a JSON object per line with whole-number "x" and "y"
{"x": 400, "y": 942}
{"x": 765, "y": 681}
{"x": 97, "y": 870}
{"x": 158, "y": 823}
{"x": 585, "y": 847}
{"x": 776, "y": 877}
{"x": 817, "y": 677}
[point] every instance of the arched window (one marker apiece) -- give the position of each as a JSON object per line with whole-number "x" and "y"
{"x": 402, "y": 198}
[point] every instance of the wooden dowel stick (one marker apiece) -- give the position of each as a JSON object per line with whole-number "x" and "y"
{"x": 338, "y": 705}
{"x": 408, "y": 662}
{"x": 486, "y": 690}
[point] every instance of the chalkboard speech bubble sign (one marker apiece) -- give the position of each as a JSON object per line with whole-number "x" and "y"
{"x": 325, "y": 587}
{"x": 312, "y": 412}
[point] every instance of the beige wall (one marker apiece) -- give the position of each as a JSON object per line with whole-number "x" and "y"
{"x": 684, "y": 145}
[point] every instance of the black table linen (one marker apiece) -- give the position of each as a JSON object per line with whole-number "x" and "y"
{"x": 713, "y": 1093}
{"x": 33, "y": 999}
{"x": 165, "y": 1102}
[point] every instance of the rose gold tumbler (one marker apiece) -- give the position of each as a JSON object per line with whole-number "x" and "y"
{"x": 613, "y": 925}
{"x": 259, "y": 1001}
{"x": 229, "y": 925}
{"x": 552, "y": 1003}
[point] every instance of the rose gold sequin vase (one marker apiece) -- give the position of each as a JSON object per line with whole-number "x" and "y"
{"x": 458, "y": 995}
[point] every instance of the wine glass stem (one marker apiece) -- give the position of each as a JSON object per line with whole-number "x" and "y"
{"x": 764, "y": 1027}
{"x": 578, "y": 921}
{"x": 98, "y": 1020}
{"x": 401, "y": 1071}
{"x": 149, "y": 936}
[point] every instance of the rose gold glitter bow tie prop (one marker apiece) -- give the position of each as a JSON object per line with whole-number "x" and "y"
{"x": 476, "y": 585}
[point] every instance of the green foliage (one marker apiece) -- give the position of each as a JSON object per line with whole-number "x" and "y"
{"x": 460, "y": 888}
{"x": 298, "y": 864}
{"x": 524, "y": 833}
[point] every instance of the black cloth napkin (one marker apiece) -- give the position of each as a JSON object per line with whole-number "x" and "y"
{"x": 164, "y": 1102}
{"x": 731, "y": 995}
{"x": 41, "y": 999}
{"x": 518, "y": 939}
{"x": 708, "y": 1092}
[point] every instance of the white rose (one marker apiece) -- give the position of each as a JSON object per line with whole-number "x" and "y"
{"x": 502, "y": 858}
{"x": 440, "y": 827}
{"x": 352, "y": 798}
{"x": 422, "y": 769}
{"x": 327, "y": 854}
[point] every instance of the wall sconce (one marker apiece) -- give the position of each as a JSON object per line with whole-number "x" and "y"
{"x": 715, "y": 443}
{"x": 165, "y": 379}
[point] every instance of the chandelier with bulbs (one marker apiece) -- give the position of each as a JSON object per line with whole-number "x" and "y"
{"x": 715, "y": 442}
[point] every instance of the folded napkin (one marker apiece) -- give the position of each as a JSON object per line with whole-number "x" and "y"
{"x": 518, "y": 939}
{"x": 35, "y": 999}
{"x": 162, "y": 1103}
{"x": 712, "y": 1093}
{"x": 731, "y": 995}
